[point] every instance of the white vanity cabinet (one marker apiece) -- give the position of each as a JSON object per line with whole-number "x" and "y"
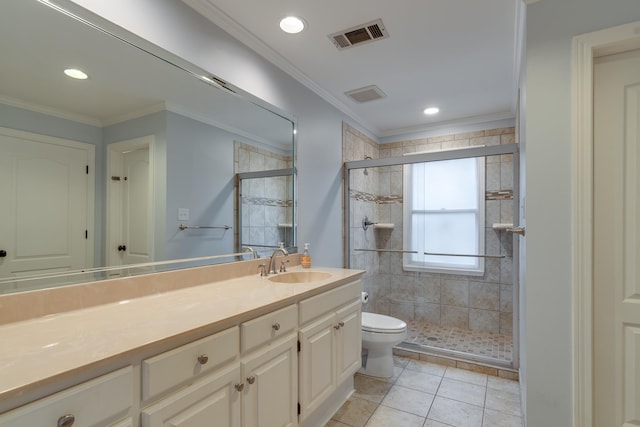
{"x": 285, "y": 360}
{"x": 102, "y": 401}
{"x": 258, "y": 389}
{"x": 330, "y": 344}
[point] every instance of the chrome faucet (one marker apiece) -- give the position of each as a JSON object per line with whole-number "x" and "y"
{"x": 272, "y": 267}
{"x": 251, "y": 251}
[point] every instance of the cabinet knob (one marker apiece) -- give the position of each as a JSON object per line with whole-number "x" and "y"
{"x": 276, "y": 326}
{"x": 3, "y": 253}
{"x": 251, "y": 379}
{"x": 339, "y": 325}
{"x": 203, "y": 358}
{"x": 66, "y": 420}
{"x": 240, "y": 386}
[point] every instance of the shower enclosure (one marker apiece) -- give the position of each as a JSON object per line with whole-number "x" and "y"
{"x": 435, "y": 233}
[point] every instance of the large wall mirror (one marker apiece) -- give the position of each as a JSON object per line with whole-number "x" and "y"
{"x": 149, "y": 159}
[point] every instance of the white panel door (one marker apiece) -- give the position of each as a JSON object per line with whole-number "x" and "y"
{"x": 136, "y": 205}
{"x": 616, "y": 212}
{"x": 46, "y": 203}
{"x": 130, "y": 202}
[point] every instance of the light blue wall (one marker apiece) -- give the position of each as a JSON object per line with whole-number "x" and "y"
{"x": 548, "y": 305}
{"x": 200, "y": 177}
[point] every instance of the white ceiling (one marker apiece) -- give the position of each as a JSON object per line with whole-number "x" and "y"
{"x": 459, "y": 55}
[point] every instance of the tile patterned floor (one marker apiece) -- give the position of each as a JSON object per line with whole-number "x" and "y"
{"x": 483, "y": 344}
{"x": 423, "y": 394}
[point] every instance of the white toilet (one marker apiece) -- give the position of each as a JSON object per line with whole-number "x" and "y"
{"x": 379, "y": 334}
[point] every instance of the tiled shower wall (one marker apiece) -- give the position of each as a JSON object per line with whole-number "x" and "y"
{"x": 482, "y": 303}
{"x": 266, "y": 202}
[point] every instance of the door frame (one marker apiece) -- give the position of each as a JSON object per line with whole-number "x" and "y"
{"x": 114, "y": 160}
{"x": 585, "y": 48}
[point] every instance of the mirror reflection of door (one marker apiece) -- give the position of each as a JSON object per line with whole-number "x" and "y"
{"x": 130, "y": 218}
{"x": 47, "y": 197}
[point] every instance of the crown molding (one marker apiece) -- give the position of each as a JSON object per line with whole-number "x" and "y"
{"x": 78, "y": 118}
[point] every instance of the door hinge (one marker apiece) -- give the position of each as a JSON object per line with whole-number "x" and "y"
{"x": 86, "y": 234}
{"x": 298, "y": 346}
{"x": 87, "y": 169}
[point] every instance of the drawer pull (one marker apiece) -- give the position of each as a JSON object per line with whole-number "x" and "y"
{"x": 276, "y": 326}
{"x": 240, "y": 387}
{"x": 251, "y": 379}
{"x": 66, "y": 420}
{"x": 203, "y": 359}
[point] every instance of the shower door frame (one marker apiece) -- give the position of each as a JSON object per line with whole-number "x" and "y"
{"x": 458, "y": 153}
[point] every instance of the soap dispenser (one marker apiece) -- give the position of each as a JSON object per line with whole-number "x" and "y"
{"x": 305, "y": 258}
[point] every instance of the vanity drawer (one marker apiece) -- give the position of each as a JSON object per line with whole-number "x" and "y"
{"x": 160, "y": 373}
{"x": 316, "y": 306}
{"x": 265, "y": 328}
{"x": 100, "y": 401}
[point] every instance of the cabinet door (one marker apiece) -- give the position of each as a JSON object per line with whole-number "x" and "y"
{"x": 317, "y": 363}
{"x": 349, "y": 341}
{"x": 270, "y": 378}
{"x": 213, "y": 401}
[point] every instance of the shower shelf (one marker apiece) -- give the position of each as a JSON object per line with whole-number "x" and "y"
{"x": 383, "y": 226}
{"x": 502, "y": 226}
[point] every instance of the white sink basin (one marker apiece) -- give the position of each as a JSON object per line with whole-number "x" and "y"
{"x": 299, "y": 277}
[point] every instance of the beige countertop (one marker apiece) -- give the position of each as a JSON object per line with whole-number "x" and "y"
{"x": 47, "y": 349}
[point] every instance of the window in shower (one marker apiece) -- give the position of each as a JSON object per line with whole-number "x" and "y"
{"x": 444, "y": 216}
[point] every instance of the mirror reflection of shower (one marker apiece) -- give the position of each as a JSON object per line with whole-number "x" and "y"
{"x": 429, "y": 225}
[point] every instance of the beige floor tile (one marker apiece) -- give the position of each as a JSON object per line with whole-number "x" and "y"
{"x": 426, "y": 367}
{"x": 432, "y": 423}
{"x": 371, "y": 389}
{"x": 464, "y": 392}
{"x": 419, "y": 381}
{"x": 386, "y": 417}
{"x": 355, "y": 412}
{"x": 334, "y": 423}
{"x": 400, "y": 361}
{"x": 466, "y": 376}
{"x": 503, "y": 384}
{"x": 408, "y": 400}
{"x": 500, "y": 419}
{"x": 455, "y": 413}
{"x": 503, "y": 401}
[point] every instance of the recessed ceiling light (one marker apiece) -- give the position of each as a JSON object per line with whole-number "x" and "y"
{"x": 292, "y": 24}
{"x": 431, "y": 110}
{"x": 76, "y": 74}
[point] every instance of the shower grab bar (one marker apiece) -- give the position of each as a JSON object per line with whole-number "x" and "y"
{"x": 387, "y": 250}
{"x": 466, "y": 255}
{"x": 195, "y": 227}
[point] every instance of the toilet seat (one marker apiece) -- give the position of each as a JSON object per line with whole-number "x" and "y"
{"x": 379, "y": 323}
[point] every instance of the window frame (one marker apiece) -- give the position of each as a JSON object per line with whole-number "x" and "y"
{"x": 408, "y": 263}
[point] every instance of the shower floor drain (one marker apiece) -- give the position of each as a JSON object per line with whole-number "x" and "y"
{"x": 432, "y": 339}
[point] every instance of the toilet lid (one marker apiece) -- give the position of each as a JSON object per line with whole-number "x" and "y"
{"x": 372, "y": 322}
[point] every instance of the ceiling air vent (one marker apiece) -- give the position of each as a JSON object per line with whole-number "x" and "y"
{"x": 366, "y": 94}
{"x": 371, "y": 31}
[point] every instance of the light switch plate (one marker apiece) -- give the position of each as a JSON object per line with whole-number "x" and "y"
{"x": 183, "y": 214}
